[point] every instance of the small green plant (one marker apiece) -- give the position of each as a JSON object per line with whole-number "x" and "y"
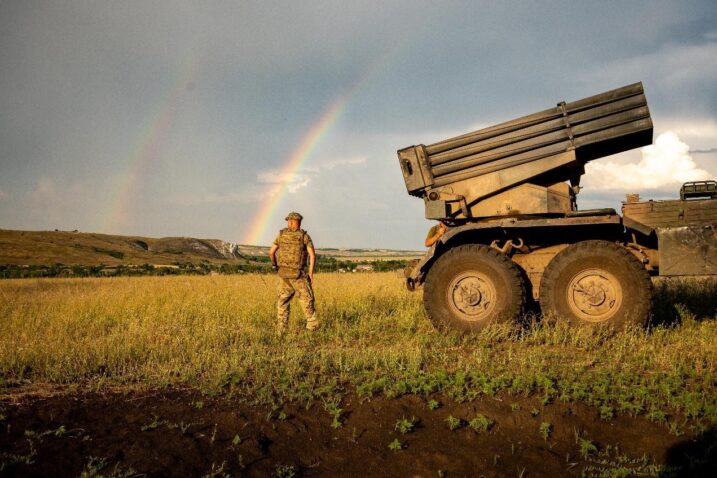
{"x": 545, "y": 430}
{"x": 154, "y": 424}
{"x": 656, "y": 415}
{"x": 216, "y": 470}
{"x": 433, "y": 404}
{"x": 674, "y": 429}
{"x": 586, "y": 447}
{"x": 606, "y": 412}
{"x": 284, "y": 471}
{"x": 7, "y": 459}
{"x": 184, "y": 427}
{"x": 535, "y": 412}
{"x": 335, "y": 411}
{"x": 404, "y": 425}
{"x": 236, "y": 440}
{"x": 93, "y": 467}
{"x": 198, "y": 404}
{"x": 283, "y": 416}
{"x": 453, "y": 422}
{"x": 481, "y": 423}
{"x": 395, "y": 445}
{"x": 514, "y": 407}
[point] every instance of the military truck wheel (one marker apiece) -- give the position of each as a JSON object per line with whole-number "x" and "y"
{"x": 472, "y": 286}
{"x": 596, "y": 282}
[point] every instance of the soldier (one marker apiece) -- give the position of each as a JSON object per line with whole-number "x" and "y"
{"x": 294, "y": 245}
{"x": 435, "y": 233}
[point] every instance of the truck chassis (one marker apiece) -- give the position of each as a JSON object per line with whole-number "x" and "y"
{"x": 515, "y": 234}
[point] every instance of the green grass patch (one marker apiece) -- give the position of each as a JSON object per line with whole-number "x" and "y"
{"x": 217, "y": 334}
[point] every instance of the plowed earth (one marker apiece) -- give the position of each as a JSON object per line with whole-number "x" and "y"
{"x": 179, "y": 433}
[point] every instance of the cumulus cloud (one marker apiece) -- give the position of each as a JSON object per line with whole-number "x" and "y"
{"x": 690, "y": 129}
{"x": 667, "y": 162}
{"x": 294, "y": 181}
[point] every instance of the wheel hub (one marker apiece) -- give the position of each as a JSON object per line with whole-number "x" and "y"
{"x": 472, "y": 295}
{"x": 594, "y": 295}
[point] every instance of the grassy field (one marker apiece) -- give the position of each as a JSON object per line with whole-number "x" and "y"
{"x": 216, "y": 334}
{"x": 185, "y": 376}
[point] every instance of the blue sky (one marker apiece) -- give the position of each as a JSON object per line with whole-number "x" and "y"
{"x": 224, "y": 92}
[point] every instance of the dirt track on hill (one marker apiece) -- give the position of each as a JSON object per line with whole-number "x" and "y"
{"x": 185, "y": 434}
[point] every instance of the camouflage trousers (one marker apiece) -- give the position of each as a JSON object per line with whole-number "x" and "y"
{"x": 300, "y": 287}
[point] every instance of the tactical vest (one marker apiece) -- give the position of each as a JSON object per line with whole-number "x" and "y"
{"x": 291, "y": 256}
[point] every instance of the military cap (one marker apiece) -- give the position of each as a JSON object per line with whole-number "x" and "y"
{"x": 294, "y": 215}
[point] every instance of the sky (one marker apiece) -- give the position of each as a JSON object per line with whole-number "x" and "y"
{"x": 214, "y": 119}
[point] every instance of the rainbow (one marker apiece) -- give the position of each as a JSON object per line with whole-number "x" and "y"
{"x": 321, "y": 127}
{"x": 121, "y": 201}
{"x": 298, "y": 158}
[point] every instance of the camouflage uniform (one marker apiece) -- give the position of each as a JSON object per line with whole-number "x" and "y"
{"x": 291, "y": 259}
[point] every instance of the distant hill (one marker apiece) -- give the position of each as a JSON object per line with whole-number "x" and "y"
{"x": 51, "y": 247}
{"x": 81, "y": 248}
{"x": 343, "y": 254}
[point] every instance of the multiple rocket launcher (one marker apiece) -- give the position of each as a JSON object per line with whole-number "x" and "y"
{"x": 520, "y": 167}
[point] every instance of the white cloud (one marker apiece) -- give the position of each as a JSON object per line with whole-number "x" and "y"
{"x": 333, "y": 163}
{"x": 292, "y": 181}
{"x": 667, "y": 162}
{"x": 298, "y": 180}
{"x": 44, "y": 190}
{"x": 269, "y": 183}
{"x": 691, "y": 130}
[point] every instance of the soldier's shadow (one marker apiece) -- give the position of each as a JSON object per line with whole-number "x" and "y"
{"x": 693, "y": 457}
{"x": 676, "y": 301}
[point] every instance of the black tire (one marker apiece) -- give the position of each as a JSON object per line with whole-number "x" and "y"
{"x": 471, "y": 286}
{"x": 596, "y": 282}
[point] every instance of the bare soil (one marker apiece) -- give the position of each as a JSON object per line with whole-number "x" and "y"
{"x": 180, "y": 433}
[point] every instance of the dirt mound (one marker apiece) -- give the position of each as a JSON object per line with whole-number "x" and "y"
{"x": 185, "y": 434}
